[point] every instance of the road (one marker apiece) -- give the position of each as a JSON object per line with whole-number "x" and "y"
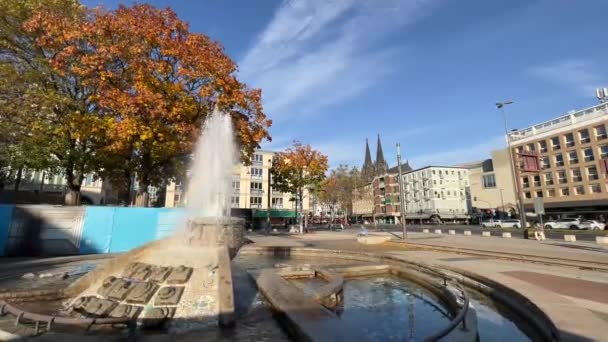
{"x": 557, "y": 234}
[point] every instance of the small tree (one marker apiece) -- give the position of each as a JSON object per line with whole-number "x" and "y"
{"x": 297, "y": 168}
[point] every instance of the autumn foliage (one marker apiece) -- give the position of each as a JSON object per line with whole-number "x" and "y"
{"x": 297, "y": 168}
{"x": 148, "y": 84}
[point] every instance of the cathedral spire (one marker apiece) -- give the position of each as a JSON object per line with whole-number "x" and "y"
{"x": 368, "y": 169}
{"x": 381, "y": 166}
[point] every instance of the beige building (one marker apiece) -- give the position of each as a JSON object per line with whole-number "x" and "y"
{"x": 491, "y": 183}
{"x": 363, "y": 204}
{"x": 573, "y": 152}
{"x": 250, "y": 188}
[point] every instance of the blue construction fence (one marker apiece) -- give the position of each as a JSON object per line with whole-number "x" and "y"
{"x": 56, "y": 230}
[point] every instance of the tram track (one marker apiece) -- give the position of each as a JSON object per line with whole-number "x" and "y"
{"x": 529, "y": 258}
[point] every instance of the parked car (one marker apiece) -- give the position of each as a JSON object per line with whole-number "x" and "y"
{"x": 567, "y": 223}
{"x": 489, "y": 223}
{"x": 593, "y": 225}
{"x": 511, "y": 224}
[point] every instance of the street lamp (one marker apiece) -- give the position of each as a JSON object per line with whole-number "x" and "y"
{"x": 522, "y": 213}
{"x": 268, "y": 195}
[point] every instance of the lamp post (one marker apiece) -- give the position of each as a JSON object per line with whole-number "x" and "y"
{"x": 502, "y": 202}
{"x": 520, "y": 200}
{"x": 268, "y": 196}
{"x": 401, "y": 192}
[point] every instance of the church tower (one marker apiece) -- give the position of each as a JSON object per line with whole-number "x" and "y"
{"x": 368, "y": 170}
{"x": 381, "y": 165}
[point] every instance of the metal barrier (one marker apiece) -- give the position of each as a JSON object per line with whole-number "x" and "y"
{"x": 461, "y": 317}
{"x": 50, "y": 320}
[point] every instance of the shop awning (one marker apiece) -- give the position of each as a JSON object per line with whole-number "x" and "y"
{"x": 275, "y": 213}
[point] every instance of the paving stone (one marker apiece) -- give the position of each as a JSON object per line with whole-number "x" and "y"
{"x": 138, "y": 271}
{"x": 169, "y": 295}
{"x": 125, "y": 310}
{"x": 142, "y": 292}
{"x": 179, "y": 275}
{"x": 159, "y": 274}
{"x": 154, "y": 318}
{"x": 119, "y": 289}
{"x": 93, "y": 306}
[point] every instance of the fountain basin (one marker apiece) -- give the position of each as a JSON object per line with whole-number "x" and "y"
{"x": 216, "y": 231}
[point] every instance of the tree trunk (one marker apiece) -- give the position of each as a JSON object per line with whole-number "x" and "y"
{"x": 142, "y": 199}
{"x": 18, "y": 179}
{"x": 72, "y": 196}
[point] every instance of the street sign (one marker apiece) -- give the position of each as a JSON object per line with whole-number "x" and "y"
{"x": 539, "y": 206}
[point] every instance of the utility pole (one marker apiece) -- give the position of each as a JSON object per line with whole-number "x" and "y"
{"x": 502, "y": 203}
{"x": 401, "y": 192}
{"x": 518, "y": 194}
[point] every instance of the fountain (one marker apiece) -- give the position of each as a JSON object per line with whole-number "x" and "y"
{"x": 183, "y": 285}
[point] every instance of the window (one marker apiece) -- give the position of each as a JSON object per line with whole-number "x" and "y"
{"x": 531, "y": 147}
{"x": 595, "y": 188}
{"x": 576, "y": 175}
{"x": 519, "y": 149}
{"x": 256, "y": 172}
{"x": 527, "y": 194}
{"x": 555, "y": 143}
{"x": 236, "y": 185}
{"x": 584, "y": 136}
{"x": 543, "y": 146}
{"x": 569, "y": 139}
{"x": 589, "y": 154}
{"x": 559, "y": 160}
{"x": 536, "y": 180}
{"x": 561, "y": 176}
{"x": 545, "y": 163}
{"x": 489, "y": 181}
{"x": 579, "y": 190}
{"x": 257, "y": 158}
{"x": 525, "y": 181}
{"x": 592, "y": 173}
{"x": 539, "y": 193}
{"x": 572, "y": 157}
{"x": 600, "y": 132}
{"x": 604, "y": 152}
{"x": 551, "y": 193}
{"x": 234, "y": 201}
{"x": 277, "y": 202}
{"x": 565, "y": 192}
{"x": 256, "y": 186}
{"x": 433, "y": 171}
{"x": 548, "y": 178}
{"x": 255, "y": 201}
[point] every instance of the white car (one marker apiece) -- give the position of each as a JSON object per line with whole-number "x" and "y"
{"x": 567, "y": 223}
{"x": 593, "y": 225}
{"x": 490, "y": 223}
{"x": 510, "y": 224}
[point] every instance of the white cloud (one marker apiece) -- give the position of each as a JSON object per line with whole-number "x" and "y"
{"x": 581, "y": 75}
{"x": 459, "y": 155}
{"x": 316, "y": 53}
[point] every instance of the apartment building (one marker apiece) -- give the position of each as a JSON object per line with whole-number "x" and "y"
{"x": 491, "y": 183}
{"x": 250, "y": 186}
{"x": 363, "y": 204}
{"x": 432, "y": 194}
{"x": 573, "y": 161}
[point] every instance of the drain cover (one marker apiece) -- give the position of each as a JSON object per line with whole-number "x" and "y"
{"x": 141, "y": 293}
{"x": 169, "y": 295}
{"x": 179, "y": 275}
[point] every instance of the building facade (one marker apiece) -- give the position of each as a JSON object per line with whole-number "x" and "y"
{"x": 432, "y": 194}
{"x": 572, "y": 151}
{"x": 491, "y": 184}
{"x": 249, "y": 190}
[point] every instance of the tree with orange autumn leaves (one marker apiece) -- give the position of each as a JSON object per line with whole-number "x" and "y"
{"x": 152, "y": 83}
{"x": 297, "y": 168}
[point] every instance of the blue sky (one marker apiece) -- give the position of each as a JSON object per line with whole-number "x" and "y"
{"x": 425, "y": 73}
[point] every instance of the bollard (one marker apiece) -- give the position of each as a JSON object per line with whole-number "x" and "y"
{"x": 486, "y": 234}
{"x": 467, "y": 232}
{"x": 438, "y": 231}
{"x": 601, "y": 240}
{"x": 426, "y": 231}
{"x": 570, "y": 238}
{"x": 452, "y": 232}
{"x": 506, "y": 235}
